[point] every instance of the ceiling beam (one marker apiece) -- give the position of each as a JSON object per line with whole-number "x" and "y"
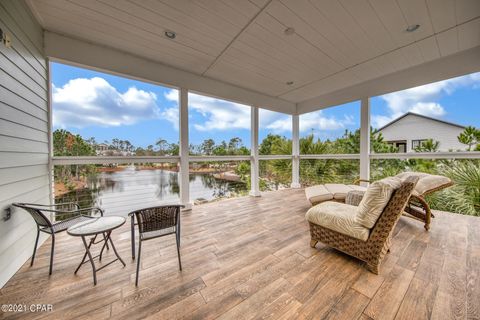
{"x": 78, "y": 52}
{"x": 455, "y": 65}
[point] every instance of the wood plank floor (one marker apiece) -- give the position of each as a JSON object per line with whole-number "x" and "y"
{"x": 249, "y": 258}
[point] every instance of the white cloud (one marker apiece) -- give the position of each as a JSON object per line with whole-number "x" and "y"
{"x": 317, "y": 121}
{"x": 83, "y": 102}
{"x": 219, "y": 114}
{"x": 432, "y": 109}
{"x": 283, "y": 124}
{"x": 224, "y": 115}
{"x": 172, "y": 116}
{"x": 379, "y": 121}
{"x": 275, "y": 122}
{"x": 423, "y": 99}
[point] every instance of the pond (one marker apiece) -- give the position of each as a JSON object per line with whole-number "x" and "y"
{"x": 123, "y": 191}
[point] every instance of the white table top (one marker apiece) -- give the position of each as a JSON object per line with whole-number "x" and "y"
{"x": 95, "y": 226}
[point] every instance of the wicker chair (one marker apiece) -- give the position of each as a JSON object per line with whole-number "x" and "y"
{"x": 373, "y": 250}
{"x": 39, "y": 213}
{"x": 153, "y": 223}
{"x": 417, "y": 206}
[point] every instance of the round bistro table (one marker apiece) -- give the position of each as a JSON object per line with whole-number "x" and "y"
{"x": 94, "y": 227}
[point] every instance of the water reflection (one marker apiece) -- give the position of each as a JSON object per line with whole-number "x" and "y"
{"x": 123, "y": 191}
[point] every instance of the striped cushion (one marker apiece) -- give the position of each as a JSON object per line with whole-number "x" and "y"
{"x": 374, "y": 201}
{"x": 426, "y": 182}
{"x": 339, "y": 217}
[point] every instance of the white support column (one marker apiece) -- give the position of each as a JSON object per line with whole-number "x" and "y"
{"x": 184, "y": 150}
{"x": 365, "y": 141}
{"x": 295, "y": 152}
{"x": 51, "y": 172}
{"x": 254, "y": 165}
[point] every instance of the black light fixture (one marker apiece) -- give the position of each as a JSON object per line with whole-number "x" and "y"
{"x": 170, "y": 34}
{"x": 412, "y": 28}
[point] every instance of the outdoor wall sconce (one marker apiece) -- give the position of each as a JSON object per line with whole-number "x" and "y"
{"x": 5, "y": 39}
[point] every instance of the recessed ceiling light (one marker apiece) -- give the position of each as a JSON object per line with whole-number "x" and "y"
{"x": 289, "y": 83}
{"x": 170, "y": 34}
{"x": 289, "y": 31}
{"x": 412, "y": 28}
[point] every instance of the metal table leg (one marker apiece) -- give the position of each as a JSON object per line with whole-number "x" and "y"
{"x": 106, "y": 238}
{"x": 87, "y": 249}
{"x": 114, "y": 249}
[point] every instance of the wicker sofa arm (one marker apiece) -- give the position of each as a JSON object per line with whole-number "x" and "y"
{"x": 354, "y": 197}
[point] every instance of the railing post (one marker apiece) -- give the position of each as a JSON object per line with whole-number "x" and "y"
{"x": 295, "y": 152}
{"x": 365, "y": 141}
{"x": 184, "y": 150}
{"x": 254, "y": 163}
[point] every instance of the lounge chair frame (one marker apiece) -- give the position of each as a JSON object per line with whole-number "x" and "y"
{"x": 418, "y": 207}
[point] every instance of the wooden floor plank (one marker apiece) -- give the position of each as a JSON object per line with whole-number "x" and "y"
{"x": 473, "y": 283}
{"x": 257, "y": 303}
{"x": 216, "y": 307}
{"x": 388, "y": 298}
{"x": 249, "y": 258}
{"x": 418, "y": 301}
{"x": 350, "y": 306}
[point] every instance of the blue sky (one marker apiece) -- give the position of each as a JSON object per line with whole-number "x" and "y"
{"x": 95, "y": 104}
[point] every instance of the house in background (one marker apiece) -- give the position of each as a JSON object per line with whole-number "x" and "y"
{"x": 101, "y": 149}
{"x": 410, "y": 130}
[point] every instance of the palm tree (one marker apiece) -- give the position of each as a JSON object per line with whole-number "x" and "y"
{"x": 162, "y": 144}
{"x": 428, "y": 145}
{"x": 207, "y": 146}
{"x": 234, "y": 144}
{"x": 150, "y": 150}
{"x": 115, "y": 143}
{"x": 470, "y": 136}
{"x": 464, "y": 196}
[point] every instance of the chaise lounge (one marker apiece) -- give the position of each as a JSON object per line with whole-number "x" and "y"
{"x": 416, "y": 208}
{"x": 365, "y": 231}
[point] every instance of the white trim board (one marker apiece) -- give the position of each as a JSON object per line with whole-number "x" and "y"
{"x": 77, "y": 52}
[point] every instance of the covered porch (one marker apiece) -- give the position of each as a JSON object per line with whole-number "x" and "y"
{"x": 248, "y": 258}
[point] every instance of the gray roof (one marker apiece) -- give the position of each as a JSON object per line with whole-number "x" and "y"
{"x": 422, "y": 116}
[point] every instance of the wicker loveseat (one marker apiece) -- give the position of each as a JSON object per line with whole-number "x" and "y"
{"x": 367, "y": 244}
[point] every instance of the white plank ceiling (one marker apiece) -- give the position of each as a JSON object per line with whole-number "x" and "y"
{"x": 336, "y": 43}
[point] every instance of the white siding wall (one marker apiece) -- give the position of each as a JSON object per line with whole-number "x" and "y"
{"x": 23, "y": 132}
{"x": 413, "y": 127}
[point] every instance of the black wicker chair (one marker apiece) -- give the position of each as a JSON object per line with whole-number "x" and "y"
{"x": 153, "y": 223}
{"x": 39, "y": 213}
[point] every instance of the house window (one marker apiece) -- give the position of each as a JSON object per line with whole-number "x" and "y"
{"x": 417, "y": 143}
{"x": 400, "y": 145}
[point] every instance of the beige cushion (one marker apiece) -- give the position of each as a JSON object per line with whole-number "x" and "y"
{"x": 375, "y": 199}
{"x": 338, "y": 190}
{"x": 338, "y": 217}
{"x": 405, "y": 175}
{"x": 318, "y": 194}
{"x": 357, "y": 188}
{"x": 426, "y": 182}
